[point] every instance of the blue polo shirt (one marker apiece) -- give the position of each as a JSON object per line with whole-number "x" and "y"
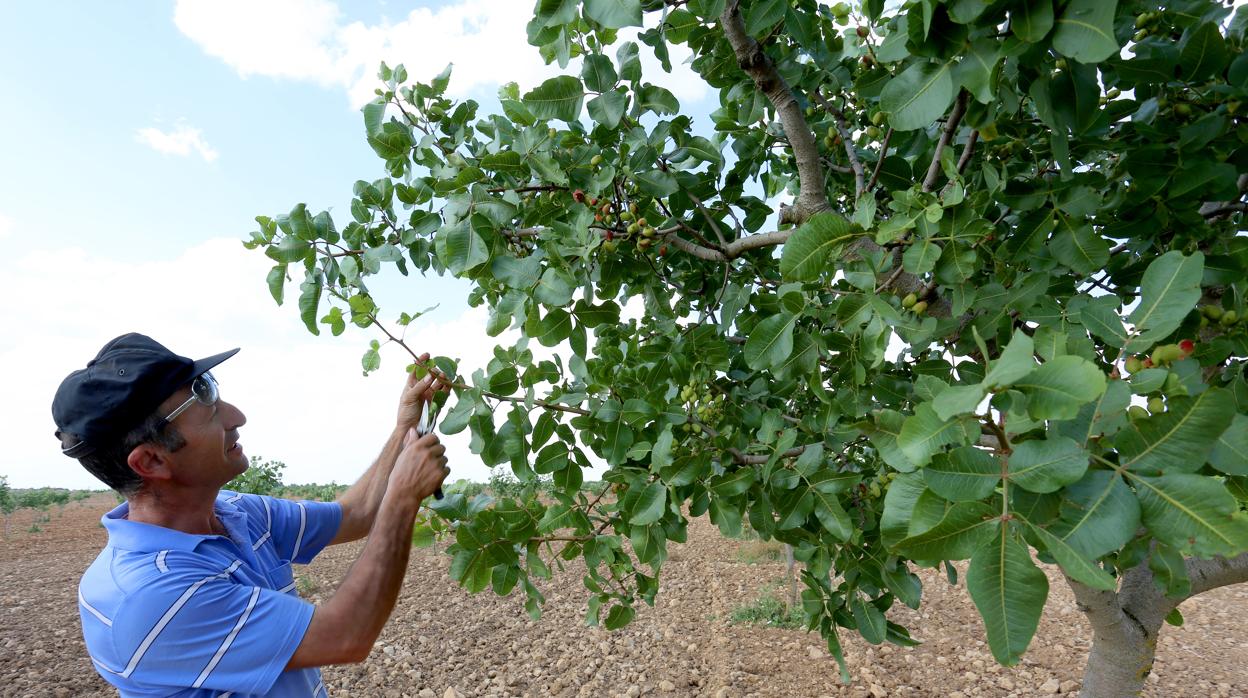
{"x": 166, "y": 613}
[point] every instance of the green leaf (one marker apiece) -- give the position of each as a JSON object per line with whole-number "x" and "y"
{"x": 1085, "y": 30}
{"x": 1078, "y": 246}
{"x": 975, "y": 71}
{"x": 614, "y": 14}
{"x": 309, "y": 301}
{"x": 806, "y": 252}
{"x": 1072, "y": 563}
{"x": 832, "y": 516}
{"x": 1168, "y": 292}
{"x": 1170, "y": 571}
{"x": 1194, "y": 513}
{"x": 463, "y": 248}
{"x": 1047, "y": 465}
{"x": 964, "y": 474}
{"x": 958, "y": 399}
{"x": 557, "y": 98}
{"x": 598, "y": 73}
{"x": 1057, "y": 389}
{"x": 1033, "y": 20}
{"x": 924, "y": 434}
{"x": 963, "y": 529}
{"x": 619, "y": 616}
{"x": 869, "y": 619}
{"x": 1099, "y": 514}
{"x": 733, "y": 484}
{"x": 918, "y": 96}
{"x": 763, "y": 15}
{"x": 1009, "y": 591}
{"x": 920, "y": 257}
{"x": 1202, "y": 52}
{"x": 609, "y": 107}
{"x": 1016, "y": 362}
{"x": 277, "y": 282}
{"x": 1102, "y": 319}
{"x": 555, "y": 288}
{"x": 1180, "y": 439}
{"x": 770, "y": 342}
{"x": 1230, "y": 454}
{"x": 657, "y": 183}
{"x": 651, "y": 504}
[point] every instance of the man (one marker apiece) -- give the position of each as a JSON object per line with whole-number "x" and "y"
{"x": 194, "y": 594}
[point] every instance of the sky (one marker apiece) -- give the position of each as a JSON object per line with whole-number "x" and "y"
{"x": 140, "y": 140}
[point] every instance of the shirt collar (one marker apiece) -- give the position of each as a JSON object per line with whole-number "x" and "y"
{"x": 142, "y": 537}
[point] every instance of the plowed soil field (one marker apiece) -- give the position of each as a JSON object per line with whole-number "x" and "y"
{"x": 443, "y": 641}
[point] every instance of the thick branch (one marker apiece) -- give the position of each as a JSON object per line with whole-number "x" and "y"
{"x": 951, "y": 127}
{"x": 812, "y": 197}
{"x": 1217, "y": 572}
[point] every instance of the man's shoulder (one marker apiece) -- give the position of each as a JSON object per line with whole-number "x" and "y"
{"x": 128, "y": 572}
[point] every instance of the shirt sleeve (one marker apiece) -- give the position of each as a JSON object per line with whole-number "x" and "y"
{"x": 198, "y": 629}
{"x": 301, "y": 530}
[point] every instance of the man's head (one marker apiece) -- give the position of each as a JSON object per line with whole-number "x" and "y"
{"x": 117, "y": 416}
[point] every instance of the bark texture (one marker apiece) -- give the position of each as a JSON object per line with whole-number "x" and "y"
{"x": 1127, "y": 623}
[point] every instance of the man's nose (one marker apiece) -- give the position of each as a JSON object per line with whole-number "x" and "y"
{"x": 234, "y": 417}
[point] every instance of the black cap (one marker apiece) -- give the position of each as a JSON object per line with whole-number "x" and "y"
{"x": 119, "y": 388}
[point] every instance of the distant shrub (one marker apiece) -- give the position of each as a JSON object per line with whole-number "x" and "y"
{"x": 261, "y": 477}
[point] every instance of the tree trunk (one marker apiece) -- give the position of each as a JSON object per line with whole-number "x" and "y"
{"x": 790, "y": 564}
{"x": 1127, "y": 623}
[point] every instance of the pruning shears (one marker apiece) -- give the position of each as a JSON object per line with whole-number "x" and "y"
{"x": 429, "y": 420}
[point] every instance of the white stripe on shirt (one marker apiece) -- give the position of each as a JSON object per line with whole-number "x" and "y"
{"x": 160, "y": 561}
{"x": 229, "y": 639}
{"x": 303, "y": 520}
{"x": 235, "y": 498}
{"x": 169, "y": 614}
{"x": 287, "y": 588}
{"x": 92, "y": 610}
{"x": 257, "y": 544}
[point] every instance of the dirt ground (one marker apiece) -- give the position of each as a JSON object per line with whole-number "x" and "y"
{"x": 443, "y": 641}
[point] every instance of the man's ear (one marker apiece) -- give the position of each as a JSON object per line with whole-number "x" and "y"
{"x": 150, "y": 462}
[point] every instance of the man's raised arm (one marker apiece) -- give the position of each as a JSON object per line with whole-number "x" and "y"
{"x": 362, "y": 501}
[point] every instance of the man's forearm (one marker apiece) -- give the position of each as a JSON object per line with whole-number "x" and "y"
{"x": 362, "y": 500}
{"x": 345, "y": 627}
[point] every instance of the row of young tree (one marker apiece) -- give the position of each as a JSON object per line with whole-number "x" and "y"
{"x": 938, "y": 281}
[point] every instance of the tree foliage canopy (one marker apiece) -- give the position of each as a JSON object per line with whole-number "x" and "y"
{"x": 1003, "y": 217}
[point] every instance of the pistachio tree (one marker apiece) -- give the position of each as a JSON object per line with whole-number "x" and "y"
{"x": 948, "y": 280}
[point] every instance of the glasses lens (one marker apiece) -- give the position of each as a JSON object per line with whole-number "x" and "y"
{"x": 205, "y": 389}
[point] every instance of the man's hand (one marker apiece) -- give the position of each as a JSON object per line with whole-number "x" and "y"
{"x": 421, "y": 466}
{"x": 417, "y": 393}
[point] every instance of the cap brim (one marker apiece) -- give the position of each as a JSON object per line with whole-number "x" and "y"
{"x": 209, "y": 363}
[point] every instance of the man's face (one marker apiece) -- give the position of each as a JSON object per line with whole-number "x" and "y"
{"x": 212, "y": 454}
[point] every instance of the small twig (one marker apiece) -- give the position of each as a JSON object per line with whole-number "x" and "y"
{"x": 707, "y": 215}
{"x": 967, "y": 151}
{"x": 464, "y": 386}
{"x": 879, "y": 164}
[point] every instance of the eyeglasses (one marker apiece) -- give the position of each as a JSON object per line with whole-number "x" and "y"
{"x": 204, "y": 390}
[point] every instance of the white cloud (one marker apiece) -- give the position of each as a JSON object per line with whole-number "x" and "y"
{"x": 7, "y": 226}
{"x": 181, "y": 140}
{"x": 305, "y": 399}
{"x": 308, "y": 40}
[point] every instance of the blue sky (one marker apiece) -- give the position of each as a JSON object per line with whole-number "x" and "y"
{"x": 139, "y": 142}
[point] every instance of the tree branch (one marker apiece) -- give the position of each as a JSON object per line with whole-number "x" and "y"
{"x": 1216, "y": 572}
{"x": 812, "y": 197}
{"x": 851, "y": 153}
{"x": 951, "y": 127}
{"x": 879, "y": 164}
